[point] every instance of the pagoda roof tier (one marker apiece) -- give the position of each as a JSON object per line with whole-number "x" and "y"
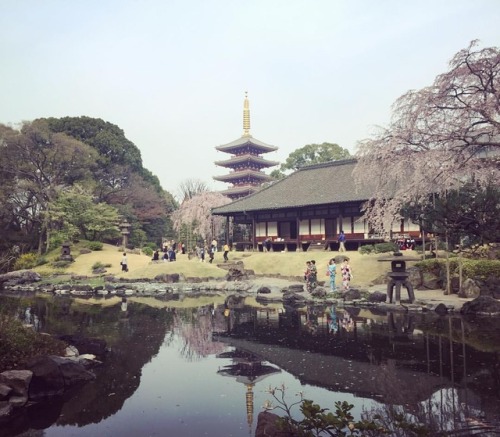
{"x": 240, "y": 191}
{"x": 246, "y": 158}
{"x": 249, "y": 174}
{"x": 246, "y": 141}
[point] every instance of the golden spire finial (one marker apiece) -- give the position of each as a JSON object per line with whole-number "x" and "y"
{"x": 246, "y": 116}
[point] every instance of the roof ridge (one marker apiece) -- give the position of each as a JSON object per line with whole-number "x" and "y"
{"x": 335, "y": 162}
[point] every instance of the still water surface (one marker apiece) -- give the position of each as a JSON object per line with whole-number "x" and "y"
{"x": 202, "y": 367}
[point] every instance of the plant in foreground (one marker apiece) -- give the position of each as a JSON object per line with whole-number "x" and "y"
{"x": 317, "y": 421}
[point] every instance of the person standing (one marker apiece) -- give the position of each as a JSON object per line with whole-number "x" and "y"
{"x": 312, "y": 276}
{"x": 226, "y": 251}
{"x": 211, "y": 253}
{"x": 306, "y": 272}
{"x": 268, "y": 244}
{"x": 346, "y": 274}
{"x": 214, "y": 245}
{"x": 341, "y": 241}
{"x": 124, "y": 262}
{"x": 332, "y": 271}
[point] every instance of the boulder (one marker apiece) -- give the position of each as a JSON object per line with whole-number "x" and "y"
{"x": 455, "y": 284}
{"x": 73, "y": 372}
{"x": 5, "y": 391}
{"x": 469, "y": 289}
{"x": 95, "y": 346}
{"x": 431, "y": 282}
{"x": 47, "y": 379}
{"x": 319, "y": 292}
{"x": 290, "y": 298}
{"x": 296, "y": 288}
{"x": 377, "y": 296}
{"x": 352, "y": 294}
{"x": 19, "y": 277}
{"x": 53, "y": 375}
{"x": 267, "y": 426}
{"x": 236, "y": 274}
{"x": 491, "y": 287}
{"x": 6, "y": 410}
{"x": 483, "y": 305}
{"x": 339, "y": 259}
{"x": 415, "y": 276}
{"x": 441, "y": 309}
{"x": 19, "y": 381}
{"x": 168, "y": 278}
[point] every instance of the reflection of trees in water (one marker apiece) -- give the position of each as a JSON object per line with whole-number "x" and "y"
{"x": 138, "y": 340}
{"x": 444, "y": 413}
{"x": 194, "y": 328}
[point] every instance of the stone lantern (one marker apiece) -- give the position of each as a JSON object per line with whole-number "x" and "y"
{"x": 124, "y": 228}
{"x": 66, "y": 252}
{"x": 398, "y": 276}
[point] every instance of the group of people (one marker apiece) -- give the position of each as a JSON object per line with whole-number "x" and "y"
{"x": 311, "y": 274}
{"x": 168, "y": 254}
{"x": 203, "y": 251}
{"x": 406, "y": 243}
{"x": 346, "y": 273}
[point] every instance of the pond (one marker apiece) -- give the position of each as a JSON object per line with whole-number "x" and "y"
{"x": 202, "y": 367}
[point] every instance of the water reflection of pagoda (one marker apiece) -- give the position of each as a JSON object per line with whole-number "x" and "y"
{"x": 246, "y": 161}
{"x": 248, "y": 369}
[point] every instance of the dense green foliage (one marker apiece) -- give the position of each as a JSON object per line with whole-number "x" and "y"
{"x": 147, "y": 251}
{"x": 94, "y": 245}
{"x": 378, "y": 248}
{"x": 311, "y": 154}
{"x": 472, "y": 268}
{"x": 469, "y": 215}
{"x": 26, "y": 261}
{"x": 75, "y": 178}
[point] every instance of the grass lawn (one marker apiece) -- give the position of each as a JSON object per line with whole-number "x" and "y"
{"x": 365, "y": 268}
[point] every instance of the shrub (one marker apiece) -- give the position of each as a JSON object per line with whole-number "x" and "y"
{"x": 474, "y": 269}
{"x": 366, "y": 249}
{"x": 94, "y": 245}
{"x": 60, "y": 264}
{"x": 57, "y": 239}
{"x": 316, "y": 421}
{"x": 18, "y": 344}
{"x": 481, "y": 269}
{"x": 26, "y": 261}
{"x": 385, "y": 247}
{"x": 146, "y": 250}
{"x": 100, "y": 265}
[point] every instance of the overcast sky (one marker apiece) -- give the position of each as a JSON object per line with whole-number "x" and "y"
{"x": 172, "y": 74}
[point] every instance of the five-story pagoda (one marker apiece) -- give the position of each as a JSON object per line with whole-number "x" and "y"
{"x": 246, "y": 161}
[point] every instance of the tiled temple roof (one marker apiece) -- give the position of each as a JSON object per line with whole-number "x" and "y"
{"x": 318, "y": 184}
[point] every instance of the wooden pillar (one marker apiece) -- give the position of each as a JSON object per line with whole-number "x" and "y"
{"x": 227, "y": 230}
{"x": 254, "y": 234}
{"x": 298, "y": 233}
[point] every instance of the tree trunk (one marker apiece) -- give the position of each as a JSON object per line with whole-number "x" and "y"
{"x": 448, "y": 279}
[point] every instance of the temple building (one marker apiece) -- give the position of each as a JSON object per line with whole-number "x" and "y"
{"x": 246, "y": 162}
{"x": 307, "y": 210}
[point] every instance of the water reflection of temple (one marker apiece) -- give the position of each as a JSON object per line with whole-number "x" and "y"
{"x": 248, "y": 369}
{"x": 393, "y": 358}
